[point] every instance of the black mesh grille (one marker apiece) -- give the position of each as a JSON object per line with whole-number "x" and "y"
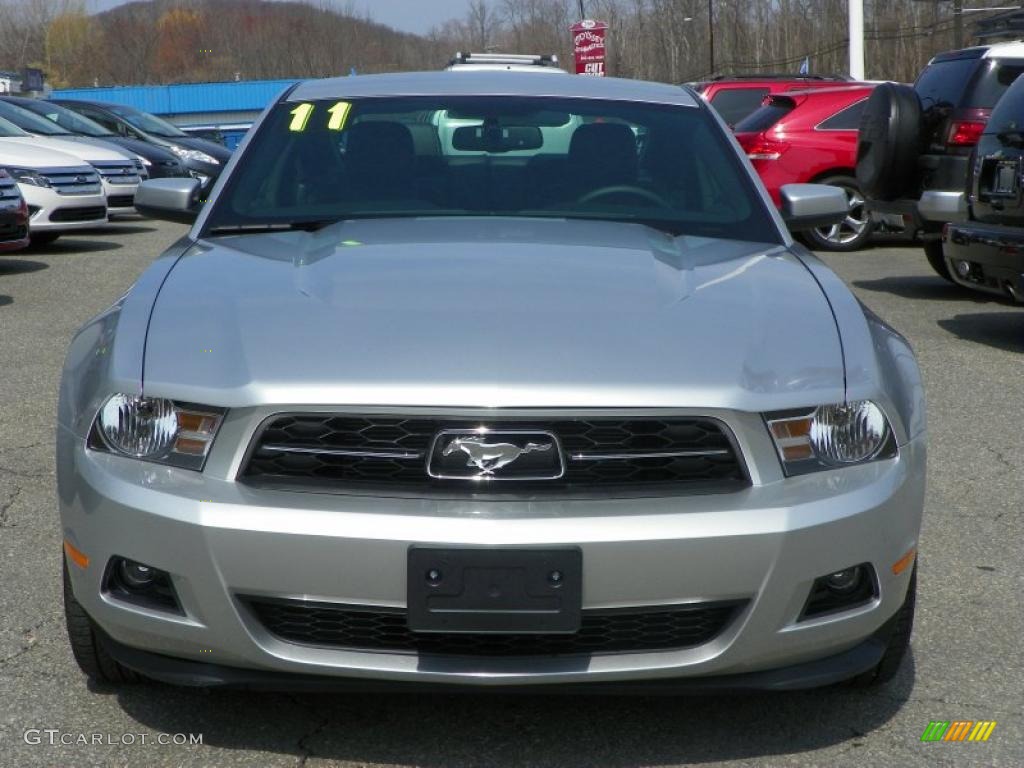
{"x": 618, "y": 631}
{"x": 294, "y": 447}
{"x": 79, "y": 214}
{"x": 120, "y": 201}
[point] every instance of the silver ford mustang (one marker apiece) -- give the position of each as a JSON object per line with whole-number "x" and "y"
{"x": 476, "y": 380}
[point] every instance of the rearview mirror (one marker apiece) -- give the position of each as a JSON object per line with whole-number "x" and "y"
{"x": 496, "y": 138}
{"x": 807, "y": 206}
{"x": 168, "y": 199}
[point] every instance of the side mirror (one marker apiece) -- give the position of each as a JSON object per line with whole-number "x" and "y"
{"x": 807, "y": 206}
{"x": 168, "y": 199}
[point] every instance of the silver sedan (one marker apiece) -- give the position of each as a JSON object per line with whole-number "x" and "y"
{"x": 478, "y": 380}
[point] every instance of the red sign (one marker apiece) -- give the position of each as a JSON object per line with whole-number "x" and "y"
{"x": 588, "y": 45}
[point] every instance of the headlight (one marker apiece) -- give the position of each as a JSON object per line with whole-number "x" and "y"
{"x": 194, "y": 154}
{"x": 831, "y": 436}
{"x": 28, "y": 176}
{"x": 144, "y": 161}
{"x": 156, "y": 429}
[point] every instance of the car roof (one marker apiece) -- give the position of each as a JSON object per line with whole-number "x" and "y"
{"x": 91, "y": 103}
{"x": 823, "y": 93}
{"x": 490, "y": 84}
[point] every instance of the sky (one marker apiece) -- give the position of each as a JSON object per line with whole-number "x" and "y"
{"x": 407, "y": 15}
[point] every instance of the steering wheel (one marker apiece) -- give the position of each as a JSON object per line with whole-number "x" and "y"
{"x": 624, "y": 189}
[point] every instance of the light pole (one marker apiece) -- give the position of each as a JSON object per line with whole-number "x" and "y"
{"x": 856, "y": 11}
{"x": 711, "y": 38}
{"x": 583, "y": 14}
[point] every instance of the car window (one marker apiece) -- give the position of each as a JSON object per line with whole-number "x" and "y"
{"x": 10, "y": 130}
{"x": 943, "y": 83}
{"x": 845, "y": 120}
{"x": 97, "y": 116}
{"x": 29, "y": 121}
{"x": 66, "y": 119}
{"x": 148, "y": 123}
{"x": 734, "y": 104}
{"x": 992, "y": 83}
{"x": 664, "y": 165}
{"x": 1008, "y": 114}
{"x": 767, "y": 116}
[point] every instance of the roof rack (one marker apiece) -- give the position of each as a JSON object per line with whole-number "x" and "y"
{"x": 540, "y": 60}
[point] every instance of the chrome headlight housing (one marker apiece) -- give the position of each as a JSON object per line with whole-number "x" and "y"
{"x": 194, "y": 154}
{"x": 830, "y": 436}
{"x": 156, "y": 429}
{"x": 28, "y": 176}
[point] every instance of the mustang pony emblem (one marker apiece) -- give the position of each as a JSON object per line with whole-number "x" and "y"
{"x": 488, "y": 457}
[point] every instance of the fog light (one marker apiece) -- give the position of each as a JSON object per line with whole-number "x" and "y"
{"x": 840, "y": 591}
{"x": 963, "y": 268}
{"x": 130, "y": 581}
{"x": 845, "y": 580}
{"x": 135, "y": 576}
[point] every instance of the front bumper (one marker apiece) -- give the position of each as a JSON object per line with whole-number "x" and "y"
{"x": 51, "y": 211}
{"x": 986, "y": 257}
{"x": 219, "y": 539}
{"x": 120, "y": 197}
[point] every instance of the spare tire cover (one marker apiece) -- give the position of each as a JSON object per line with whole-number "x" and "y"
{"x": 889, "y": 142}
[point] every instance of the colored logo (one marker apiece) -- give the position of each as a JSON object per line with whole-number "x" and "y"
{"x": 958, "y": 730}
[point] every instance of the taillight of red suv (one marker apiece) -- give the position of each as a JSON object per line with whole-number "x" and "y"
{"x": 966, "y": 129}
{"x": 762, "y": 148}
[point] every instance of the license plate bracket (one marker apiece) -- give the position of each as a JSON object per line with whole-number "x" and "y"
{"x": 495, "y": 591}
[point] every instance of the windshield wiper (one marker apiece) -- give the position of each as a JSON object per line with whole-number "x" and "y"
{"x": 311, "y": 225}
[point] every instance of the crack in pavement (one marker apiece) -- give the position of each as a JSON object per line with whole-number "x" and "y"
{"x": 6, "y": 507}
{"x": 301, "y": 743}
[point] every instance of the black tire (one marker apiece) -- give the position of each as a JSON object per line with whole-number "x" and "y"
{"x": 933, "y": 252}
{"x": 851, "y": 235}
{"x": 43, "y": 238}
{"x": 89, "y": 653}
{"x": 889, "y": 142}
{"x": 899, "y": 642}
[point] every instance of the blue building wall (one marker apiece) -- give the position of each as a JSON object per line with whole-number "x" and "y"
{"x": 184, "y": 99}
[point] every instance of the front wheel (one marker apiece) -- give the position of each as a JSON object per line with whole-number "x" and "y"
{"x": 899, "y": 642}
{"x": 89, "y": 653}
{"x": 854, "y": 231}
{"x": 933, "y": 252}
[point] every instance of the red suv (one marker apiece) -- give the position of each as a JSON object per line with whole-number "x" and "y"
{"x": 736, "y": 96}
{"x": 811, "y": 136}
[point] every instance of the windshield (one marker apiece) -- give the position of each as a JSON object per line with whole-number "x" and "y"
{"x": 9, "y": 130}
{"x": 148, "y": 123}
{"x": 666, "y": 166}
{"x": 766, "y": 116}
{"x": 29, "y": 121}
{"x": 66, "y": 119}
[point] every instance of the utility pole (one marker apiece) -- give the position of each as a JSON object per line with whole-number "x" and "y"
{"x": 583, "y": 14}
{"x": 856, "y": 10}
{"x": 711, "y": 38}
{"x": 958, "y": 23}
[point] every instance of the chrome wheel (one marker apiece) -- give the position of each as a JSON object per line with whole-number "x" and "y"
{"x": 853, "y": 227}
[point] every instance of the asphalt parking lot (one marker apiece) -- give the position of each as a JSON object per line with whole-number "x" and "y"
{"x": 966, "y": 661}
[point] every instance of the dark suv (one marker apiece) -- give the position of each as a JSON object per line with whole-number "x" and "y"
{"x": 986, "y": 253}
{"x": 916, "y": 142}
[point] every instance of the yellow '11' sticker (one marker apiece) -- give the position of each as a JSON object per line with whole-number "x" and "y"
{"x": 300, "y": 116}
{"x": 339, "y": 113}
{"x": 336, "y": 122}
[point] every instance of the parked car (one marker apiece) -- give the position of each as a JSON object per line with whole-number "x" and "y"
{"x": 734, "y": 97}
{"x": 13, "y": 215}
{"x": 919, "y": 139}
{"x": 62, "y": 192}
{"x": 811, "y": 136}
{"x": 986, "y": 252}
{"x": 203, "y": 159}
{"x": 119, "y": 171}
{"x": 516, "y": 415}
{"x": 157, "y": 162}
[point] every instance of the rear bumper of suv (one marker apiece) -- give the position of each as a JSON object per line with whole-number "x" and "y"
{"x": 224, "y": 542}
{"x": 986, "y": 257}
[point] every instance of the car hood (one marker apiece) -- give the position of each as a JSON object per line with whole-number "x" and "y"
{"x": 492, "y": 312}
{"x": 16, "y": 153}
{"x": 151, "y": 152}
{"x": 87, "y": 149}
